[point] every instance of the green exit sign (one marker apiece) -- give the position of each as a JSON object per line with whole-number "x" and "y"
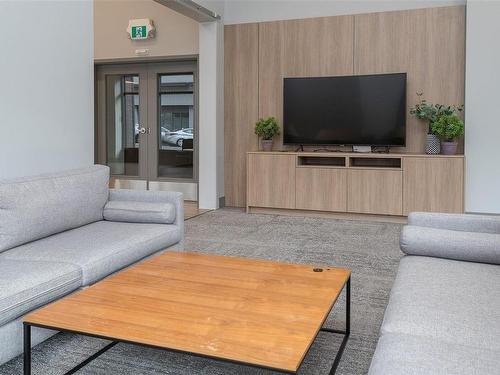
{"x": 139, "y": 32}
{"x": 138, "y": 29}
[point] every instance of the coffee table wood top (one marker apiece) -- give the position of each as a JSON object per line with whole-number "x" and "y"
{"x": 251, "y": 311}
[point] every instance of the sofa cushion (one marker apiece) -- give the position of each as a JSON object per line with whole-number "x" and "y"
{"x": 413, "y": 355}
{"x": 100, "y": 248}
{"x": 456, "y": 222}
{"x": 139, "y": 212}
{"x": 456, "y": 302}
{"x": 26, "y": 285}
{"x": 450, "y": 244}
{"x": 36, "y": 207}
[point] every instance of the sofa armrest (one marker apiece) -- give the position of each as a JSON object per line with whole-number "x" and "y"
{"x": 456, "y": 222}
{"x": 153, "y": 197}
{"x": 449, "y": 244}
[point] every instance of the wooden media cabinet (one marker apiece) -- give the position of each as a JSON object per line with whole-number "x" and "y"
{"x": 354, "y": 183}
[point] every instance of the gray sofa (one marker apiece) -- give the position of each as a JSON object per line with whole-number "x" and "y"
{"x": 65, "y": 231}
{"x": 443, "y": 316}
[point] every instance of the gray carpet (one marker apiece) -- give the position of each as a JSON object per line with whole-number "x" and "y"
{"x": 370, "y": 249}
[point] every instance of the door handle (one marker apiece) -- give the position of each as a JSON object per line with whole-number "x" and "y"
{"x": 142, "y": 131}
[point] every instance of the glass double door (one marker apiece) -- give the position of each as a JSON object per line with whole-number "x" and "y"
{"x": 147, "y": 125}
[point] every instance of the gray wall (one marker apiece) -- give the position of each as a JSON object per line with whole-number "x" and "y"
{"x": 46, "y": 94}
{"x": 482, "y": 114}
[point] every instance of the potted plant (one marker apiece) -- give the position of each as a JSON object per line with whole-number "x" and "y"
{"x": 431, "y": 113}
{"x": 449, "y": 128}
{"x": 266, "y": 129}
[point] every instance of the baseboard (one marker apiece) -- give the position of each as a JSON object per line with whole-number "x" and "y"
{"x": 327, "y": 214}
{"x": 222, "y": 202}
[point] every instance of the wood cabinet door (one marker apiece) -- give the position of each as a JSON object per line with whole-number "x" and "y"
{"x": 322, "y": 189}
{"x": 377, "y": 192}
{"x": 433, "y": 184}
{"x": 271, "y": 180}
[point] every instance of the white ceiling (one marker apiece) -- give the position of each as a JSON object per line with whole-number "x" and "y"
{"x": 243, "y": 11}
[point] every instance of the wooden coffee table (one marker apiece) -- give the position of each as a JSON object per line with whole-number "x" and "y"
{"x": 253, "y": 312}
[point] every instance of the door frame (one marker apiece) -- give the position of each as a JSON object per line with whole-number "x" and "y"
{"x": 101, "y": 115}
{"x": 154, "y": 71}
{"x": 148, "y": 72}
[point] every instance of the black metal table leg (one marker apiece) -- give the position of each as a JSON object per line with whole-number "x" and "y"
{"x": 27, "y": 349}
{"x": 347, "y": 327}
{"x": 347, "y": 330}
{"x": 27, "y": 352}
{"x": 348, "y": 307}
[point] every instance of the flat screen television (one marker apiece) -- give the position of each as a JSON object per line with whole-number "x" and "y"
{"x": 345, "y": 110}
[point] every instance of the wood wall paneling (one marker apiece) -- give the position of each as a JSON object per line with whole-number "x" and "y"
{"x": 241, "y": 106}
{"x": 271, "y": 180}
{"x": 428, "y": 44}
{"x": 300, "y": 48}
{"x": 433, "y": 185}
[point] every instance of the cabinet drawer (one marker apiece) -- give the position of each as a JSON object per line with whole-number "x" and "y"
{"x": 271, "y": 180}
{"x": 375, "y": 192}
{"x": 433, "y": 185}
{"x": 321, "y": 189}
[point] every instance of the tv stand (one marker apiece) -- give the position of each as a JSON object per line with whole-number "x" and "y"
{"x": 300, "y": 148}
{"x": 391, "y": 185}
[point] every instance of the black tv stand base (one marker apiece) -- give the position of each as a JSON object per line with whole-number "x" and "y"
{"x": 374, "y": 150}
{"x": 381, "y": 150}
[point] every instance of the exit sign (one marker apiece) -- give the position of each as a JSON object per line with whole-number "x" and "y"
{"x": 138, "y": 32}
{"x": 140, "y": 29}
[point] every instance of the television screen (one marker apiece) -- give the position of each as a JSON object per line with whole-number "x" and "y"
{"x": 347, "y": 110}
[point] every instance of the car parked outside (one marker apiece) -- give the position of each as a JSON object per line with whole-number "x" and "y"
{"x": 177, "y": 137}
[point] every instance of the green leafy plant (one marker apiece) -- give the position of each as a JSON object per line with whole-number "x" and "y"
{"x": 433, "y": 112}
{"x": 449, "y": 127}
{"x": 267, "y": 128}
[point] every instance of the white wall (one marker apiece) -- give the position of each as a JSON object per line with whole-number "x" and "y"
{"x": 211, "y": 108}
{"x": 482, "y": 115}
{"x": 220, "y": 110}
{"x": 211, "y": 114}
{"x": 242, "y": 11}
{"x": 46, "y": 95}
